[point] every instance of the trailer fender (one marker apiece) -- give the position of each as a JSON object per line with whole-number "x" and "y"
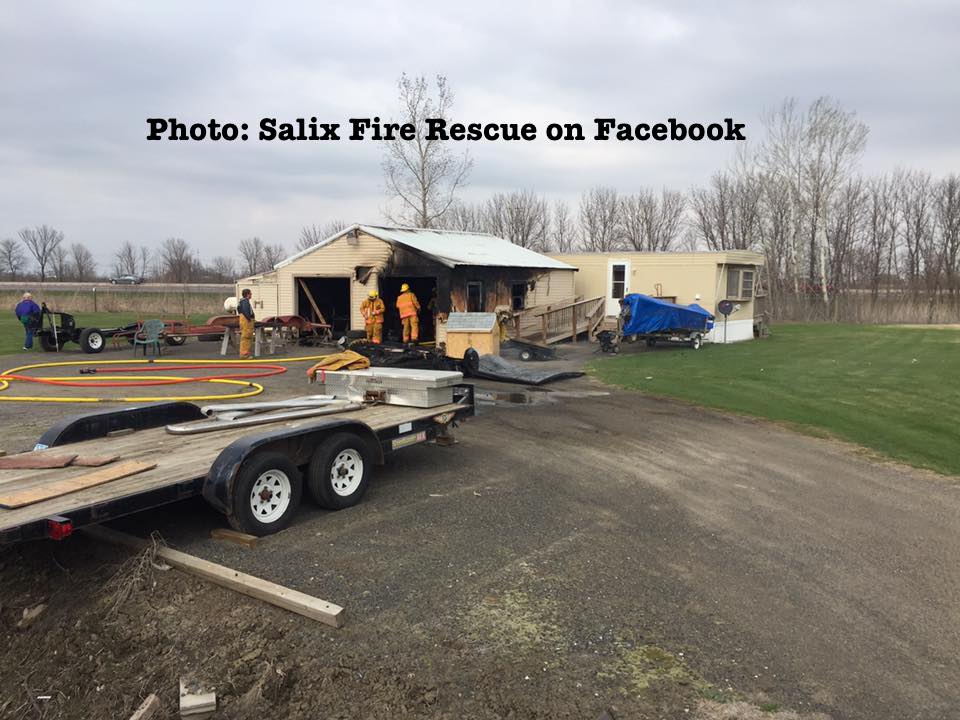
{"x": 89, "y": 426}
{"x": 297, "y": 443}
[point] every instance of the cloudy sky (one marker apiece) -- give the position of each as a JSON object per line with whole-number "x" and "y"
{"x": 78, "y": 80}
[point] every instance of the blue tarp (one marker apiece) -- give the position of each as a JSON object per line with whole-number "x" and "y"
{"x": 650, "y": 315}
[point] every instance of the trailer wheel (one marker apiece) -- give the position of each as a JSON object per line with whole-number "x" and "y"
{"x": 526, "y": 355}
{"x": 49, "y": 344}
{"x": 174, "y": 340}
{"x": 266, "y": 495}
{"x": 92, "y": 340}
{"x": 696, "y": 342}
{"x": 339, "y": 471}
{"x": 651, "y": 342}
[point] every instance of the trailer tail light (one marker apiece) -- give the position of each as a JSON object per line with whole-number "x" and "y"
{"x": 59, "y": 528}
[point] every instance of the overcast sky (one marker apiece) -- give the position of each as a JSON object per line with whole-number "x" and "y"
{"x": 78, "y": 80}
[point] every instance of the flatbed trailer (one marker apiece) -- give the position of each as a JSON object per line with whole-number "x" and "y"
{"x": 255, "y": 476}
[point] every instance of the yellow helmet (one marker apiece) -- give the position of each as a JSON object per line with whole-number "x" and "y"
{"x": 373, "y": 293}
{"x": 404, "y": 287}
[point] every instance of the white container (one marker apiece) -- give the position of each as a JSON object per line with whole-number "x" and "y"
{"x": 400, "y": 386}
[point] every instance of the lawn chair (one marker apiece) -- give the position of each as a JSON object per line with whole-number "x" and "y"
{"x": 149, "y": 334}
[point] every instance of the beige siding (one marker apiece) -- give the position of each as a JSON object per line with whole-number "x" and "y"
{"x": 552, "y": 286}
{"x": 338, "y": 259}
{"x": 680, "y": 275}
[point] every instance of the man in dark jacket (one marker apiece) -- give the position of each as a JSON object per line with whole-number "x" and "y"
{"x": 28, "y": 313}
{"x": 245, "y": 311}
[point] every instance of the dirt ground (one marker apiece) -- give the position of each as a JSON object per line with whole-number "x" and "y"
{"x": 591, "y": 550}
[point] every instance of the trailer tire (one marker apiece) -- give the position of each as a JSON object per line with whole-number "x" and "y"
{"x": 174, "y": 340}
{"x": 651, "y": 342}
{"x": 266, "y": 494}
{"x": 526, "y": 355}
{"x": 695, "y": 342}
{"x": 49, "y": 344}
{"x": 92, "y": 340}
{"x": 339, "y": 471}
{"x": 471, "y": 362}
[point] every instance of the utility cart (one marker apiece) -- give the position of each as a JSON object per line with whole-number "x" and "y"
{"x": 256, "y": 476}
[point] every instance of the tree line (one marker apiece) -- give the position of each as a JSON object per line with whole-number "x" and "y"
{"x": 797, "y": 196}
{"x": 42, "y": 254}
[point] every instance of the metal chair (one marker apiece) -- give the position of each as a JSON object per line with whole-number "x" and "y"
{"x": 149, "y": 334}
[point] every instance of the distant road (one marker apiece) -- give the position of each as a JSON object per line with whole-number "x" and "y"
{"x": 36, "y": 287}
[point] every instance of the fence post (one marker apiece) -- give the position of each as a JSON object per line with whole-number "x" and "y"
{"x": 543, "y": 327}
{"x": 573, "y": 315}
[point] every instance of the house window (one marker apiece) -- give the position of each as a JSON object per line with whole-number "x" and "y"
{"x": 618, "y": 281}
{"x": 518, "y": 295}
{"x": 740, "y": 283}
{"x": 475, "y": 296}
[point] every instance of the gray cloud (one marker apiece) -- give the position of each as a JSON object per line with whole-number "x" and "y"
{"x": 78, "y": 80}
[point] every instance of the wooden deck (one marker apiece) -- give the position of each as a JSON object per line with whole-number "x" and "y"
{"x": 179, "y": 459}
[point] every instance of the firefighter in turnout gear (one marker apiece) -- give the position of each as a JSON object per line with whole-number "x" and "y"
{"x": 373, "y": 310}
{"x": 409, "y": 306}
{"x": 247, "y": 325}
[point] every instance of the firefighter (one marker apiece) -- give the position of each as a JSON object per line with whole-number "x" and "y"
{"x": 409, "y": 306}
{"x": 373, "y": 310}
{"x": 245, "y": 312}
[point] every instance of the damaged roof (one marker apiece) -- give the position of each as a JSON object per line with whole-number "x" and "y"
{"x": 450, "y": 247}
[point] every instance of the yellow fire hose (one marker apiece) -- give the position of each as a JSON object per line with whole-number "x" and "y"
{"x": 254, "y": 388}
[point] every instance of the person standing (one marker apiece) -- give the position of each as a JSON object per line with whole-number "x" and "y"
{"x": 373, "y": 311}
{"x": 245, "y": 312}
{"x": 409, "y": 306}
{"x": 28, "y": 313}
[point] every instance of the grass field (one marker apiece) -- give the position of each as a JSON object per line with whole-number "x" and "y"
{"x": 891, "y": 389}
{"x": 11, "y": 331}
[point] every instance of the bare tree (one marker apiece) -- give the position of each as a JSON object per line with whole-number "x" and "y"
{"x": 563, "y": 232}
{"x": 947, "y": 211}
{"x": 311, "y": 235}
{"x": 125, "y": 260}
{"x": 82, "y": 263}
{"x": 465, "y": 217}
{"x": 600, "y": 220}
{"x": 60, "y": 263}
{"x": 652, "y": 223}
{"x": 251, "y": 250}
{"x": 224, "y": 268}
{"x": 816, "y": 152}
{"x": 272, "y": 254}
{"x": 520, "y": 217}
{"x": 177, "y": 260}
{"x": 727, "y": 213}
{"x": 146, "y": 261}
{"x": 41, "y": 242}
{"x": 423, "y": 174}
{"x": 12, "y": 259}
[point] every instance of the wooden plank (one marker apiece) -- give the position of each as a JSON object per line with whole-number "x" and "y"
{"x": 283, "y": 597}
{"x": 147, "y": 709}
{"x": 57, "y": 488}
{"x": 94, "y": 460}
{"x": 313, "y": 303}
{"x": 35, "y": 461}
{"x": 235, "y": 537}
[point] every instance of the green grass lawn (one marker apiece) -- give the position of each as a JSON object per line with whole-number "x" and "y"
{"x": 11, "y": 331}
{"x": 894, "y": 390}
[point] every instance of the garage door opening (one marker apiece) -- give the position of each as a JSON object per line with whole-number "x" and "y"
{"x": 424, "y": 288}
{"x": 331, "y": 296}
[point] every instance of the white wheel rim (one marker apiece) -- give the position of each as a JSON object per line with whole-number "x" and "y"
{"x": 346, "y": 472}
{"x": 95, "y": 340}
{"x": 270, "y": 496}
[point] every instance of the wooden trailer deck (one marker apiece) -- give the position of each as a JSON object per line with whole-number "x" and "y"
{"x": 181, "y": 460}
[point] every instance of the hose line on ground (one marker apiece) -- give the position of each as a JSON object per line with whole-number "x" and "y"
{"x": 7, "y": 377}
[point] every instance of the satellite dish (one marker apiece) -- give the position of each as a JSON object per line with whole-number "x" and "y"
{"x": 725, "y": 307}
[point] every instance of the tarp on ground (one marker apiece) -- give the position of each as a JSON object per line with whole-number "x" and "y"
{"x": 650, "y": 315}
{"x": 494, "y": 367}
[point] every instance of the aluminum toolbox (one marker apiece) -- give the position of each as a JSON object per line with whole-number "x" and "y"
{"x": 400, "y": 386}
